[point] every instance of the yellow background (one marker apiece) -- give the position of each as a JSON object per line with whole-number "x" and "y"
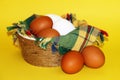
{"x": 104, "y": 14}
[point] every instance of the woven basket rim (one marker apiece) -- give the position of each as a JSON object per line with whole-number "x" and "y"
{"x": 26, "y": 37}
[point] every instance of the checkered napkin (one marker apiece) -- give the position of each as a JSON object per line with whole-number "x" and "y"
{"x": 77, "y": 39}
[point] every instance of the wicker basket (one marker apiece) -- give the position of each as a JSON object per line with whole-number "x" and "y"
{"x": 36, "y": 55}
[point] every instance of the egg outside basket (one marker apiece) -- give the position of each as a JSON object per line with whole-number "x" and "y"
{"x": 36, "y": 55}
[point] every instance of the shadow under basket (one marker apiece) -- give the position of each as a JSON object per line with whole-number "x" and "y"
{"x": 36, "y": 55}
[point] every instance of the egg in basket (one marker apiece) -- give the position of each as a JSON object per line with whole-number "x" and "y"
{"x": 46, "y": 40}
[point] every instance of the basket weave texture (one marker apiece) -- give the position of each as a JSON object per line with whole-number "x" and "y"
{"x": 38, "y": 56}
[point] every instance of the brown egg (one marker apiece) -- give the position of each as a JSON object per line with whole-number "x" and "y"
{"x": 40, "y": 23}
{"x": 48, "y": 33}
{"x": 72, "y": 62}
{"x": 93, "y": 56}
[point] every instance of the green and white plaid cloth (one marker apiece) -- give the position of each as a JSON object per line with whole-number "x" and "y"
{"x": 75, "y": 40}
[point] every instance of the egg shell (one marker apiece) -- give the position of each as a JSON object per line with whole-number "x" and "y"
{"x": 40, "y": 23}
{"x": 48, "y": 33}
{"x": 54, "y": 17}
{"x": 72, "y": 62}
{"x": 63, "y": 26}
{"x": 93, "y": 56}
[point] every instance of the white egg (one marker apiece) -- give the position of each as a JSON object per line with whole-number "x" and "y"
{"x": 54, "y": 17}
{"x": 63, "y": 26}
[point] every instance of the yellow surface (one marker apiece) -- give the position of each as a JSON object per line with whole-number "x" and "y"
{"x": 104, "y": 14}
